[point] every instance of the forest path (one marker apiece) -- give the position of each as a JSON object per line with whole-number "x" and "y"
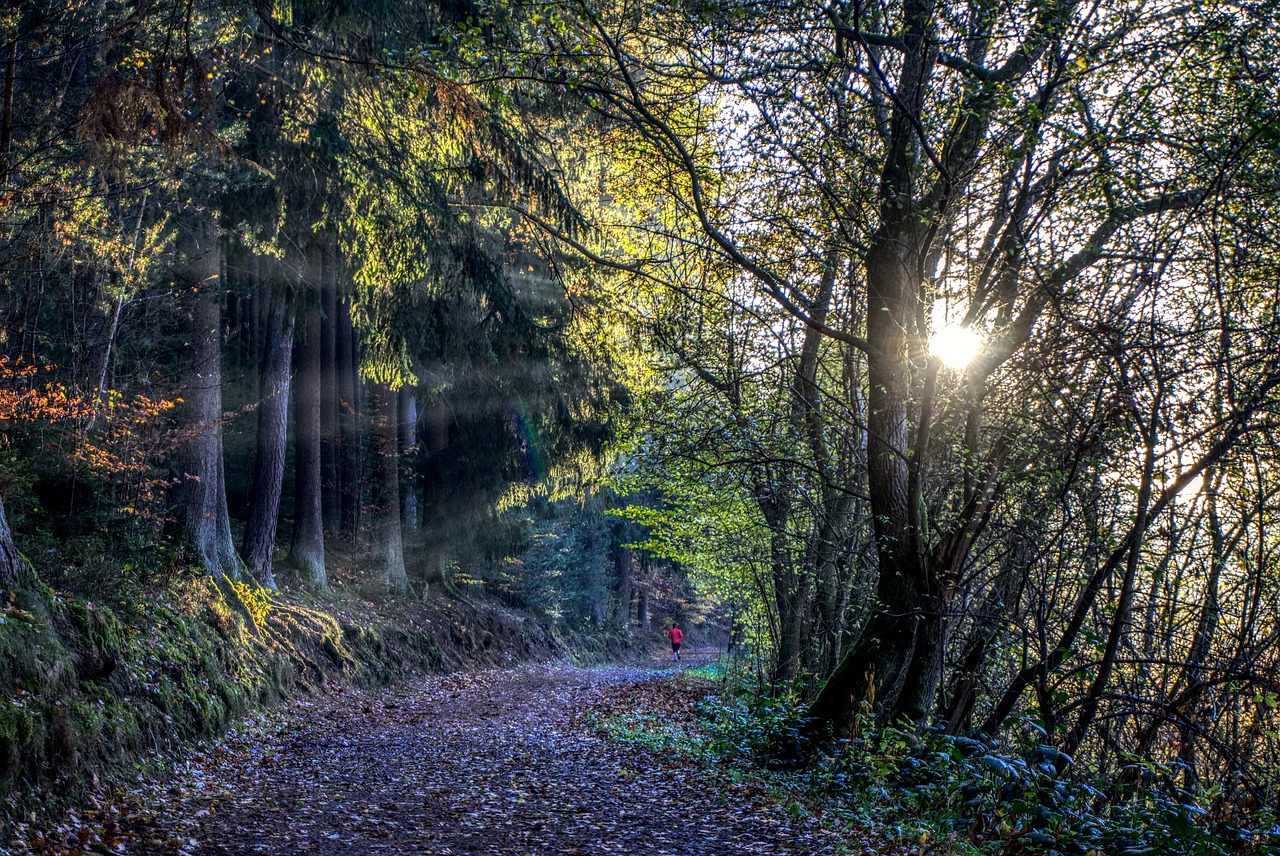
{"x": 491, "y": 763}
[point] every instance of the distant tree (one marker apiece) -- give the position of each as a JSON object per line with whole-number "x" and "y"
{"x": 272, "y": 440}
{"x": 387, "y": 529}
{"x": 308, "y": 516}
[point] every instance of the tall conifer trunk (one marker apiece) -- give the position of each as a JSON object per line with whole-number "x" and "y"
{"x": 273, "y": 441}
{"x": 387, "y": 478}
{"x": 330, "y": 479}
{"x": 348, "y": 419}
{"x": 410, "y": 494}
{"x": 201, "y": 500}
{"x": 308, "y": 520}
{"x": 625, "y": 561}
{"x": 251, "y": 335}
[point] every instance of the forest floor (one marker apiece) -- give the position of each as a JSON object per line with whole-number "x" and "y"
{"x": 509, "y": 761}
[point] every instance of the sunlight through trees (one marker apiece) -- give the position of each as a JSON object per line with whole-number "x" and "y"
{"x": 922, "y": 354}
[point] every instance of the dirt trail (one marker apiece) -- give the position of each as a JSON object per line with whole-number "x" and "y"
{"x": 494, "y": 763}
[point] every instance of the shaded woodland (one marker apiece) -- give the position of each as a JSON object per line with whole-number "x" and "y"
{"x": 607, "y": 311}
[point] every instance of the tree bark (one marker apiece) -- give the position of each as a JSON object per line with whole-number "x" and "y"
{"x": 877, "y": 667}
{"x": 411, "y": 495}
{"x": 791, "y": 586}
{"x": 331, "y": 484}
{"x": 387, "y": 465}
{"x": 307, "y": 552}
{"x": 348, "y": 419}
{"x": 12, "y": 566}
{"x": 874, "y": 670}
{"x": 273, "y": 442}
{"x": 818, "y": 625}
{"x": 201, "y": 505}
{"x": 435, "y": 564}
{"x": 625, "y": 560}
{"x": 6, "y": 113}
{"x": 250, "y": 331}
{"x": 228, "y": 557}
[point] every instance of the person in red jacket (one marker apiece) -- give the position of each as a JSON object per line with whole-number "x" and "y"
{"x": 676, "y": 636}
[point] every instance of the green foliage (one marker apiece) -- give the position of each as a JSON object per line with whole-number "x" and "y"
{"x": 737, "y": 727}
{"x": 567, "y": 567}
{"x": 1025, "y": 798}
{"x": 929, "y": 786}
{"x": 714, "y": 534}
{"x": 754, "y": 726}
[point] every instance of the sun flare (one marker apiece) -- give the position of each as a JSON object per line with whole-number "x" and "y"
{"x": 956, "y": 346}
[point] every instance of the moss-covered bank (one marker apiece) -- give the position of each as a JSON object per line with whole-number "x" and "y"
{"x": 88, "y": 688}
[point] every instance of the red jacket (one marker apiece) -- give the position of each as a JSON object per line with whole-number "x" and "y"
{"x": 675, "y": 635}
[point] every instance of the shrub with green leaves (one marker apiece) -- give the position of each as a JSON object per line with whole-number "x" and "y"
{"x": 1027, "y": 798}
{"x": 1023, "y": 799}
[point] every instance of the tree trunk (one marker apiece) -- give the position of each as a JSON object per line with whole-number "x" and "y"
{"x": 6, "y": 113}
{"x": 348, "y": 419}
{"x": 201, "y": 506}
{"x": 12, "y": 566}
{"x": 875, "y": 668}
{"x": 1093, "y": 696}
{"x": 435, "y": 563}
{"x": 923, "y": 677}
{"x": 387, "y": 464}
{"x": 260, "y": 305}
{"x": 273, "y": 443}
{"x": 626, "y": 562}
{"x": 251, "y": 334}
{"x": 878, "y": 667}
{"x": 307, "y": 552}
{"x": 790, "y": 588}
{"x": 331, "y": 483}
{"x": 792, "y": 606}
{"x": 228, "y": 557}
{"x": 411, "y": 502}
{"x": 828, "y": 535}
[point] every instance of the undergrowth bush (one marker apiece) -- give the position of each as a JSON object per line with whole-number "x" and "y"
{"x": 929, "y": 786}
{"x": 749, "y": 726}
{"x": 1023, "y": 798}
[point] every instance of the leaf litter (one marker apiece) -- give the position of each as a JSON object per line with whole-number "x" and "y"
{"x": 496, "y": 762}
